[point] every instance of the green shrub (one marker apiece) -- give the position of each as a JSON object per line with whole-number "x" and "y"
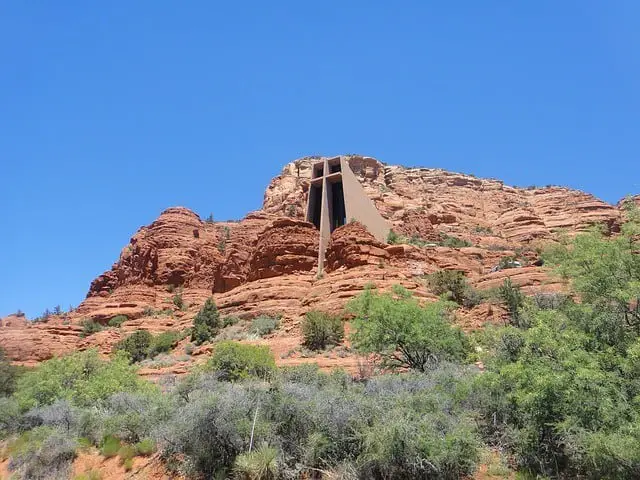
{"x": 230, "y": 320}
{"x": 8, "y": 375}
{"x": 320, "y": 330}
{"x": 10, "y": 417}
{"x": 424, "y": 445}
{"x": 42, "y": 452}
{"x": 402, "y": 333}
{"x": 261, "y": 464}
{"x": 513, "y": 300}
{"x": 126, "y": 452}
{"x": 263, "y": 325}
{"x": 89, "y": 327}
{"x": 393, "y": 238}
{"x": 454, "y": 242}
{"x": 136, "y": 345}
{"x": 178, "y": 301}
{"x": 454, "y": 286}
{"x": 206, "y": 323}
{"x": 110, "y": 446}
{"x": 83, "y": 378}
{"x": 235, "y": 361}
{"x": 118, "y": 320}
{"x": 163, "y": 342}
{"x": 145, "y": 447}
{"x": 128, "y": 464}
{"x": 89, "y": 475}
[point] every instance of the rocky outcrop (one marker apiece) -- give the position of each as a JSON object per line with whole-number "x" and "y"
{"x": 14, "y": 320}
{"x": 286, "y": 246}
{"x": 352, "y": 245}
{"x": 176, "y": 249}
{"x": 266, "y": 263}
{"x": 455, "y": 204}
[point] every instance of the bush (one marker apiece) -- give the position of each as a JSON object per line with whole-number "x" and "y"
{"x": 261, "y": 464}
{"x": 210, "y": 430}
{"x": 206, "y": 323}
{"x": 550, "y": 301}
{"x": 126, "y": 453}
{"x": 263, "y": 325}
{"x": 454, "y": 242}
{"x": 146, "y": 447}
{"x": 83, "y": 378}
{"x": 110, "y": 446}
{"x": 10, "y": 417}
{"x": 235, "y": 361}
{"x": 403, "y": 334}
{"x": 89, "y": 475}
{"x": 178, "y": 301}
{"x": 42, "y": 453}
{"x": 89, "y": 327}
{"x": 8, "y": 375}
{"x": 230, "y": 320}
{"x": 320, "y": 330}
{"x": 118, "y": 320}
{"x": 454, "y": 286}
{"x": 425, "y": 445}
{"x": 163, "y": 342}
{"x": 513, "y": 300}
{"x": 393, "y": 238}
{"x": 60, "y": 415}
{"x": 128, "y": 464}
{"x": 136, "y": 345}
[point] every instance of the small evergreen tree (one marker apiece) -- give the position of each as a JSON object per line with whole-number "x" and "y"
{"x": 136, "y": 345}
{"x": 513, "y": 299}
{"x": 206, "y": 323}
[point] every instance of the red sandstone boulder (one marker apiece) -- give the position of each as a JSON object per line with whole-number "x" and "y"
{"x": 352, "y": 245}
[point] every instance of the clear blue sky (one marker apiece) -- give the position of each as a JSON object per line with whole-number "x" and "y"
{"x": 112, "y": 111}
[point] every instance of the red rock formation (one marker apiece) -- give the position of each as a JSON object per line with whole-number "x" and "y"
{"x": 177, "y": 249}
{"x": 285, "y": 246}
{"x": 352, "y": 245}
{"x": 266, "y": 263}
{"x": 455, "y": 203}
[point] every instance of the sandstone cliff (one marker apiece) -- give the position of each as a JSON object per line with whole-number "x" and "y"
{"x": 266, "y": 262}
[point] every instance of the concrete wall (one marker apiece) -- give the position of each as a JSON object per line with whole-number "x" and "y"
{"x": 360, "y": 207}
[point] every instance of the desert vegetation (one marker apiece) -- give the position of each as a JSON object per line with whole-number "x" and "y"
{"x": 557, "y": 397}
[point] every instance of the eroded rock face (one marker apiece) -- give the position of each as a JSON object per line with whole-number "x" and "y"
{"x": 352, "y": 245}
{"x": 284, "y": 247}
{"x": 176, "y": 249}
{"x": 267, "y": 262}
{"x": 454, "y": 203}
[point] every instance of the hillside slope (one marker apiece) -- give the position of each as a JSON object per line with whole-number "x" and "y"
{"x": 265, "y": 263}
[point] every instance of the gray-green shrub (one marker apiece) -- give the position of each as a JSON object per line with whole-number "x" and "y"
{"x": 263, "y": 325}
{"x": 320, "y": 330}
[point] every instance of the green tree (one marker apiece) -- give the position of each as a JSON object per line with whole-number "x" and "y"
{"x": 402, "y": 333}
{"x": 206, "y": 323}
{"x": 604, "y": 271}
{"x": 8, "y": 375}
{"x": 513, "y": 300}
{"x": 136, "y": 345}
